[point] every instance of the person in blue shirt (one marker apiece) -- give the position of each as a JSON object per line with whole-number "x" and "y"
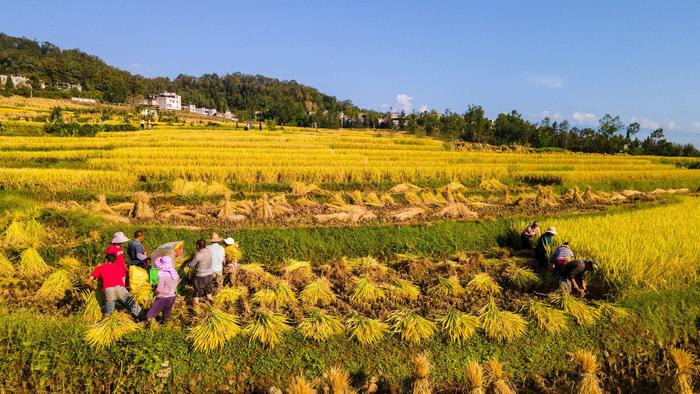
{"x": 137, "y": 252}
{"x": 544, "y": 246}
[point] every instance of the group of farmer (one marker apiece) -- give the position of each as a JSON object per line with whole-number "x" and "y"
{"x": 561, "y": 260}
{"x": 210, "y": 263}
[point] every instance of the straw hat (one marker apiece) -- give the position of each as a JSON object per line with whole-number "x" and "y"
{"x": 552, "y": 231}
{"x": 119, "y": 238}
{"x": 229, "y": 241}
{"x": 215, "y": 238}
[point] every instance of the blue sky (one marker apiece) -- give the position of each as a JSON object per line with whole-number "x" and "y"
{"x": 567, "y": 59}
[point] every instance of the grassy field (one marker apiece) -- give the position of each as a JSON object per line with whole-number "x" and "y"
{"x": 364, "y": 251}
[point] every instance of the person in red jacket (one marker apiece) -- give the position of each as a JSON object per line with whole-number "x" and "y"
{"x": 112, "y": 274}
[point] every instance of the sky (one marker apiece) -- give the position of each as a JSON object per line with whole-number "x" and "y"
{"x": 575, "y": 60}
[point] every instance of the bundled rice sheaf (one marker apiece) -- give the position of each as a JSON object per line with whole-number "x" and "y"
{"x": 110, "y": 329}
{"x": 366, "y": 292}
{"x": 140, "y": 286}
{"x": 318, "y": 292}
{"x": 589, "y": 383}
{"x": 349, "y": 214}
{"x": 299, "y": 385}
{"x": 31, "y": 264}
{"x": 373, "y": 200}
{"x": 403, "y": 290}
{"x": 548, "y": 319}
{"x": 296, "y": 272}
{"x": 458, "y": 326}
{"x": 446, "y": 287}
{"x": 497, "y": 378}
{"x": 492, "y": 185}
{"x": 356, "y": 197}
{"x": 264, "y": 209}
{"x": 431, "y": 199}
{"x": 407, "y": 213}
{"x": 7, "y": 270}
{"x": 142, "y": 208}
{"x": 521, "y": 278}
{"x": 264, "y": 297}
{"x": 582, "y": 313}
{"x": 387, "y": 199}
{"x": 366, "y": 330}
{"x": 501, "y": 325}
{"x": 302, "y": 189}
{"x": 421, "y": 370}
{"x": 55, "y": 286}
{"x": 228, "y": 296}
{"x": 253, "y": 275}
{"x": 457, "y": 210}
{"x": 213, "y": 329}
{"x": 338, "y": 380}
{"x": 101, "y": 206}
{"x": 413, "y": 198}
{"x": 455, "y": 187}
{"x": 404, "y": 187}
{"x": 228, "y": 211}
{"x": 411, "y": 327}
{"x": 306, "y": 202}
{"x": 70, "y": 263}
{"x": 485, "y": 284}
{"x": 611, "y": 311}
{"x": 337, "y": 201}
{"x": 475, "y": 378}
{"x": 16, "y": 236}
{"x": 319, "y": 325}
{"x": 367, "y": 265}
{"x": 92, "y": 310}
{"x": 685, "y": 366}
{"x": 267, "y": 327}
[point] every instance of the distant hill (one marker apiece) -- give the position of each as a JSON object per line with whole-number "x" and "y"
{"x": 286, "y": 101}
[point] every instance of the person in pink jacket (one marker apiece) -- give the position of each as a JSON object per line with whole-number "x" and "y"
{"x": 168, "y": 280}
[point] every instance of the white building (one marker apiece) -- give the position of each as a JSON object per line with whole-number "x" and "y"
{"x": 18, "y": 81}
{"x": 169, "y": 101}
{"x": 69, "y": 86}
{"x": 83, "y": 100}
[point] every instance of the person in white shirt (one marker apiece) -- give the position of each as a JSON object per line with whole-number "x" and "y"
{"x": 218, "y": 256}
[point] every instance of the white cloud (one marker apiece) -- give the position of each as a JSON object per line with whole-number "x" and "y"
{"x": 584, "y": 117}
{"x": 424, "y": 108}
{"x": 404, "y": 103}
{"x": 549, "y": 82}
{"x": 672, "y": 125}
{"x": 695, "y": 126}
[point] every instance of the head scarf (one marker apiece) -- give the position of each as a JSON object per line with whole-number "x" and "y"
{"x": 165, "y": 265}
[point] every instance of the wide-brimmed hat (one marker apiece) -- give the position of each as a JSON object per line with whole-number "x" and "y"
{"x": 119, "y": 238}
{"x": 215, "y": 238}
{"x": 552, "y": 231}
{"x": 229, "y": 241}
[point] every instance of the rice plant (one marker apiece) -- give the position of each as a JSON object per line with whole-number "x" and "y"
{"x": 421, "y": 369}
{"x": 548, "y": 319}
{"x": 110, "y": 329}
{"x": 228, "y": 296}
{"x": 446, "y": 287}
{"x": 583, "y": 314}
{"x": 16, "y": 236}
{"x": 338, "y": 380}
{"x": 69, "y": 263}
{"x": 367, "y": 265}
{"x": 501, "y": 325}
{"x": 612, "y": 311}
{"x": 366, "y": 292}
{"x": 411, "y": 327}
{"x": 92, "y": 311}
{"x": 299, "y": 385}
{"x": 264, "y": 297}
{"x": 319, "y": 325}
{"x": 7, "y": 270}
{"x": 213, "y": 330}
{"x": 475, "y": 378}
{"x": 685, "y": 367}
{"x": 403, "y": 289}
{"x": 55, "y": 286}
{"x": 297, "y": 272}
{"x": 497, "y": 378}
{"x": 284, "y": 295}
{"x": 318, "y": 292}
{"x": 521, "y": 278}
{"x": 457, "y": 325}
{"x": 31, "y": 264}
{"x": 589, "y": 383}
{"x": 366, "y": 330}
{"x": 267, "y": 327}
{"x": 485, "y": 284}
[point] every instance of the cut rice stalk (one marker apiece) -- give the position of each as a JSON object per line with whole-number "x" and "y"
{"x": 110, "y": 329}
{"x": 213, "y": 330}
{"x": 55, "y": 286}
{"x": 366, "y": 330}
{"x": 458, "y": 326}
{"x": 31, "y": 264}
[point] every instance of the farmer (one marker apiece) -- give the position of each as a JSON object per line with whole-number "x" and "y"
{"x": 570, "y": 275}
{"x": 561, "y": 256}
{"x": 201, "y": 262}
{"x": 137, "y": 252}
{"x": 217, "y": 260}
{"x": 143, "y": 125}
{"x": 530, "y": 234}
{"x": 168, "y": 279}
{"x": 112, "y": 275}
{"x": 231, "y": 259}
{"x": 544, "y": 245}
{"x": 116, "y": 249}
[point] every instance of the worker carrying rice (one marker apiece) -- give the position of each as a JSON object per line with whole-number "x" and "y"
{"x": 201, "y": 262}
{"x": 112, "y": 274}
{"x": 570, "y": 275}
{"x": 530, "y": 234}
{"x": 561, "y": 256}
{"x": 544, "y": 246}
{"x": 233, "y": 255}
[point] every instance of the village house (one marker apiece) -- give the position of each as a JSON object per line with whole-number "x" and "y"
{"x": 167, "y": 101}
{"x": 69, "y": 86}
{"x": 18, "y": 81}
{"x": 83, "y": 100}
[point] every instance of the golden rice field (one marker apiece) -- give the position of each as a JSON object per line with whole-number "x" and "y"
{"x": 117, "y": 161}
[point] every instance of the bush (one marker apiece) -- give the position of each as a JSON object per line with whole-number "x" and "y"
{"x": 83, "y": 130}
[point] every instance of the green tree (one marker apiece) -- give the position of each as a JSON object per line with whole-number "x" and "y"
{"x": 632, "y": 130}
{"x": 610, "y": 125}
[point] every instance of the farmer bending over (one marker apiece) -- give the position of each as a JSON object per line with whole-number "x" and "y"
{"x": 561, "y": 256}
{"x": 570, "y": 276}
{"x": 201, "y": 262}
{"x": 530, "y": 234}
{"x": 112, "y": 274}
